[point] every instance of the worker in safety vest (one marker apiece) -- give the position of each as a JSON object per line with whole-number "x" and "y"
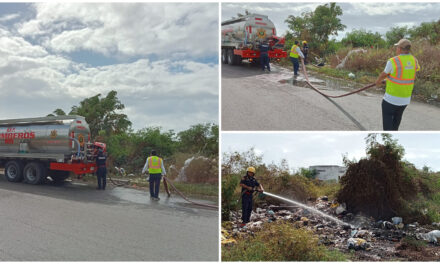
{"x": 264, "y": 55}
{"x": 101, "y": 163}
{"x": 248, "y": 186}
{"x": 155, "y": 168}
{"x": 400, "y": 73}
{"x": 305, "y": 50}
{"x": 295, "y": 53}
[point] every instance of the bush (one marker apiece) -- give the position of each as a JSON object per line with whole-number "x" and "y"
{"x": 362, "y": 38}
{"x": 280, "y": 242}
{"x": 374, "y": 60}
{"x": 382, "y": 185}
{"x": 229, "y": 195}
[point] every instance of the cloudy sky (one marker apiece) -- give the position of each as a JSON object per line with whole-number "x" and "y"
{"x": 316, "y": 148}
{"x": 374, "y": 16}
{"x": 161, "y": 58}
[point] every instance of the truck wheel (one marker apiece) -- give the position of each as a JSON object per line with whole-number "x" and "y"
{"x": 59, "y": 176}
{"x": 224, "y": 56}
{"x": 237, "y": 59}
{"x": 34, "y": 173}
{"x": 231, "y": 57}
{"x": 14, "y": 171}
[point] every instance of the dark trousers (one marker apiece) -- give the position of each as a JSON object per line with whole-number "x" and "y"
{"x": 246, "y": 207}
{"x": 102, "y": 177}
{"x": 305, "y": 58}
{"x": 295, "y": 63}
{"x": 391, "y": 115}
{"x": 154, "y": 181}
{"x": 264, "y": 60}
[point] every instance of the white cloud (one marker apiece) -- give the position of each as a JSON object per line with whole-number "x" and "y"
{"x": 391, "y": 8}
{"x": 171, "y": 94}
{"x": 8, "y": 17}
{"x": 127, "y": 29}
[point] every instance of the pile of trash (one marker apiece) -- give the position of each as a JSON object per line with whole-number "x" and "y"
{"x": 367, "y": 238}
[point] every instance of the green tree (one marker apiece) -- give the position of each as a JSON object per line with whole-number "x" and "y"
{"x": 362, "y": 38}
{"x": 309, "y": 174}
{"x": 375, "y": 149}
{"x": 316, "y": 27}
{"x": 103, "y": 114}
{"x": 200, "y": 138}
{"x": 57, "y": 112}
{"x": 427, "y": 30}
{"x": 395, "y": 34}
{"x": 154, "y": 138}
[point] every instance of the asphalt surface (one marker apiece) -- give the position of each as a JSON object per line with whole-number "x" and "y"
{"x": 254, "y": 100}
{"x": 75, "y": 222}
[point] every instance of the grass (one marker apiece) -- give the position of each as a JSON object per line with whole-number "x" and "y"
{"x": 367, "y": 66}
{"x": 327, "y": 189}
{"x": 280, "y": 242}
{"x": 414, "y": 244}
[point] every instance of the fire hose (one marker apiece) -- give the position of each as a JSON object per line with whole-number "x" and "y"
{"x": 332, "y": 96}
{"x": 165, "y": 182}
{"x": 186, "y": 198}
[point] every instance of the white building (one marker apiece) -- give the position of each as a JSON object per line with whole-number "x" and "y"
{"x": 328, "y": 172}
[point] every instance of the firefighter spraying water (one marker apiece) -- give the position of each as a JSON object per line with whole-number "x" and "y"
{"x": 250, "y": 185}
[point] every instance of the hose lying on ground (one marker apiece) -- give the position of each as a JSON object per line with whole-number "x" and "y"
{"x": 186, "y": 198}
{"x": 332, "y": 96}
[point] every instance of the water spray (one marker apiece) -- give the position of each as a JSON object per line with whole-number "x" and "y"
{"x": 314, "y": 210}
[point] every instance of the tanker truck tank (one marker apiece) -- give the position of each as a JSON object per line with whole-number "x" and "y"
{"x": 34, "y": 148}
{"x": 241, "y": 38}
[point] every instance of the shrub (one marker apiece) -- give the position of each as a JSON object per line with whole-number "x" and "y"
{"x": 280, "y": 242}
{"x": 229, "y": 195}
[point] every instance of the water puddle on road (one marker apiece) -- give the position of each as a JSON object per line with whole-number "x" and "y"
{"x": 143, "y": 197}
{"x": 324, "y": 83}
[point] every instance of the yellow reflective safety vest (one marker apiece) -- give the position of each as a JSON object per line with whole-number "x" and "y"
{"x": 293, "y": 52}
{"x": 401, "y": 82}
{"x": 154, "y": 165}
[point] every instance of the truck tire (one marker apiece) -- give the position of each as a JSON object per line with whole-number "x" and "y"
{"x": 14, "y": 171}
{"x": 59, "y": 177}
{"x": 34, "y": 173}
{"x": 230, "y": 57}
{"x": 237, "y": 59}
{"x": 224, "y": 56}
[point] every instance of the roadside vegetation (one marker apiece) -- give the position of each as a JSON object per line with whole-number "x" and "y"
{"x": 128, "y": 149}
{"x": 375, "y": 48}
{"x": 280, "y": 242}
{"x": 383, "y": 185}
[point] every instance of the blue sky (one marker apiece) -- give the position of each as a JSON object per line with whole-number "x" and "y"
{"x": 372, "y": 16}
{"x": 303, "y": 149}
{"x": 162, "y": 58}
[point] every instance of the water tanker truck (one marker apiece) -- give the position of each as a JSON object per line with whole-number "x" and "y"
{"x": 242, "y": 36}
{"x": 33, "y": 149}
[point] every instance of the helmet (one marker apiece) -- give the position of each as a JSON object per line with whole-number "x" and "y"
{"x": 251, "y": 169}
{"x": 304, "y": 42}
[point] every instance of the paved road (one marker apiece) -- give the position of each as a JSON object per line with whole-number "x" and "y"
{"x": 78, "y": 223}
{"x": 253, "y": 100}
